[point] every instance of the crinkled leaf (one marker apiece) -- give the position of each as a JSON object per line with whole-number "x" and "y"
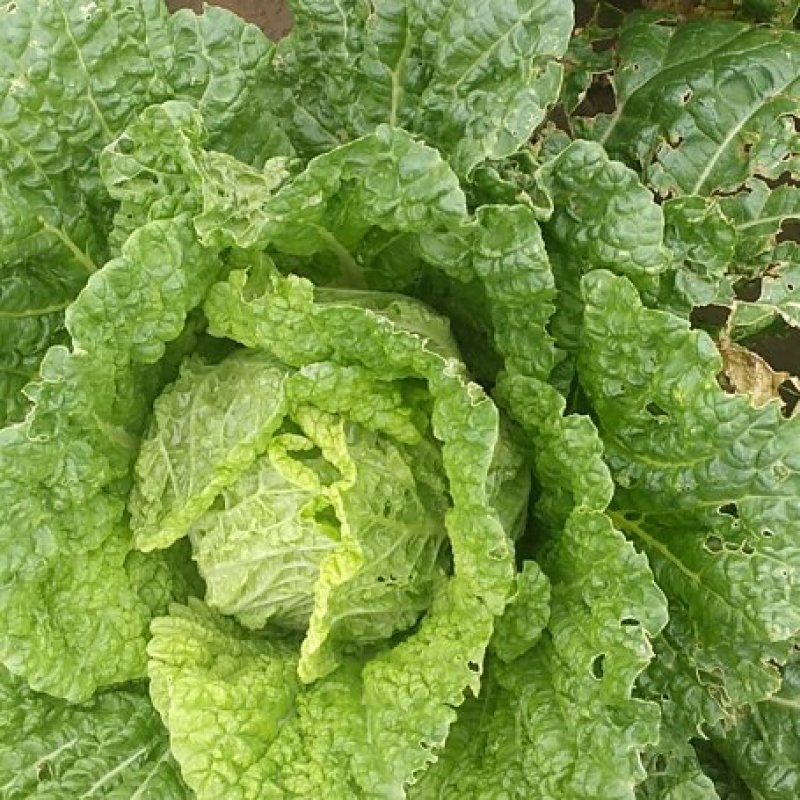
{"x": 702, "y": 242}
{"x": 575, "y": 686}
{"x": 260, "y": 552}
{"x": 224, "y": 695}
{"x": 572, "y": 688}
{"x": 143, "y": 168}
{"x": 391, "y": 507}
{"x": 493, "y": 278}
{"x": 526, "y": 615}
{"x": 474, "y": 81}
{"x": 206, "y": 430}
{"x": 603, "y": 219}
{"x": 312, "y": 71}
{"x": 697, "y": 684}
{"x": 707, "y": 486}
{"x": 674, "y": 773}
{"x": 227, "y": 694}
{"x": 763, "y": 745}
{"x": 222, "y": 63}
{"x": 113, "y": 746}
{"x": 58, "y": 113}
{"x": 510, "y": 181}
{"x": 114, "y": 60}
{"x": 365, "y": 577}
{"x": 668, "y": 77}
{"x": 32, "y": 304}
{"x": 494, "y": 72}
{"x": 778, "y": 12}
{"x": 73, "y": 619}
{"x": 427, "y": 677}
{"x": 72, "y": 76}
{"x": 559, "y": 441}
{"x": 386, "y": 180}
{"x": 378, "y": 206}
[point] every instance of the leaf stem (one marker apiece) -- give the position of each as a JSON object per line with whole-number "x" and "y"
{"x": 351, "y": 271}
{"x": 66, "y": 240}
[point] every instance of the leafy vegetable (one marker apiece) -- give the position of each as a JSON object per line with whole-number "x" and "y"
{"x": 112, "y": 746}
{"x": 391, "y": 410}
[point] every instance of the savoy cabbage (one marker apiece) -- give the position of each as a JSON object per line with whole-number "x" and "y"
{"x": 384, "y": 413}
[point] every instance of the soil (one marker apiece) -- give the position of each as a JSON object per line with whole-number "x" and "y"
{"x": 272, "y": 16}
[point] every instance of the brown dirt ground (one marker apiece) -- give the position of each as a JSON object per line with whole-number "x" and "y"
{"x": 272, "y": 16}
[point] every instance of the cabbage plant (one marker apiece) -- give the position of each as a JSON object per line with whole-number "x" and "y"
{"x": 387, "y": 412}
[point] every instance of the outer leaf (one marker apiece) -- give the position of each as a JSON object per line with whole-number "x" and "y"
{"x": 603, "y": 219}
{"x": 313, "y": 72}
{"x": 57, "y": 115}
{"x": 599, "y": 645}
{"x": 583, "y": 61}
{"x": 73, "y": 619}
{"x": 494, "y": 72}
{"x": 359, "y": 233}
{"x": 72, "y": 75}
{"x": 763, "y": 746}
{"x": 758, "y": 212}
{"x": 674, "y": 773}
{"x": 531, "y": 735}
{"x": 385, "y": 180}
{"x": 509, "y": 181}
{"x": 493, "y": 278}
{"x": 702, "y": 241}
{"x": 31, "y": 319}
{"x": 113, "y": 746}
{"x": 473, "y": 81}
{"x": 712, "y": 511}
{"x": 669, "y": 76}
{"x": 225, "y": 693}
{"x": 779, "y": 299}
{"x": 779, "y": 12}
{"x": 222, "y": 63}
{"x": 142, "y": 168}
{"x": 428, "y": 675}
{"x": 113, "y": 60}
